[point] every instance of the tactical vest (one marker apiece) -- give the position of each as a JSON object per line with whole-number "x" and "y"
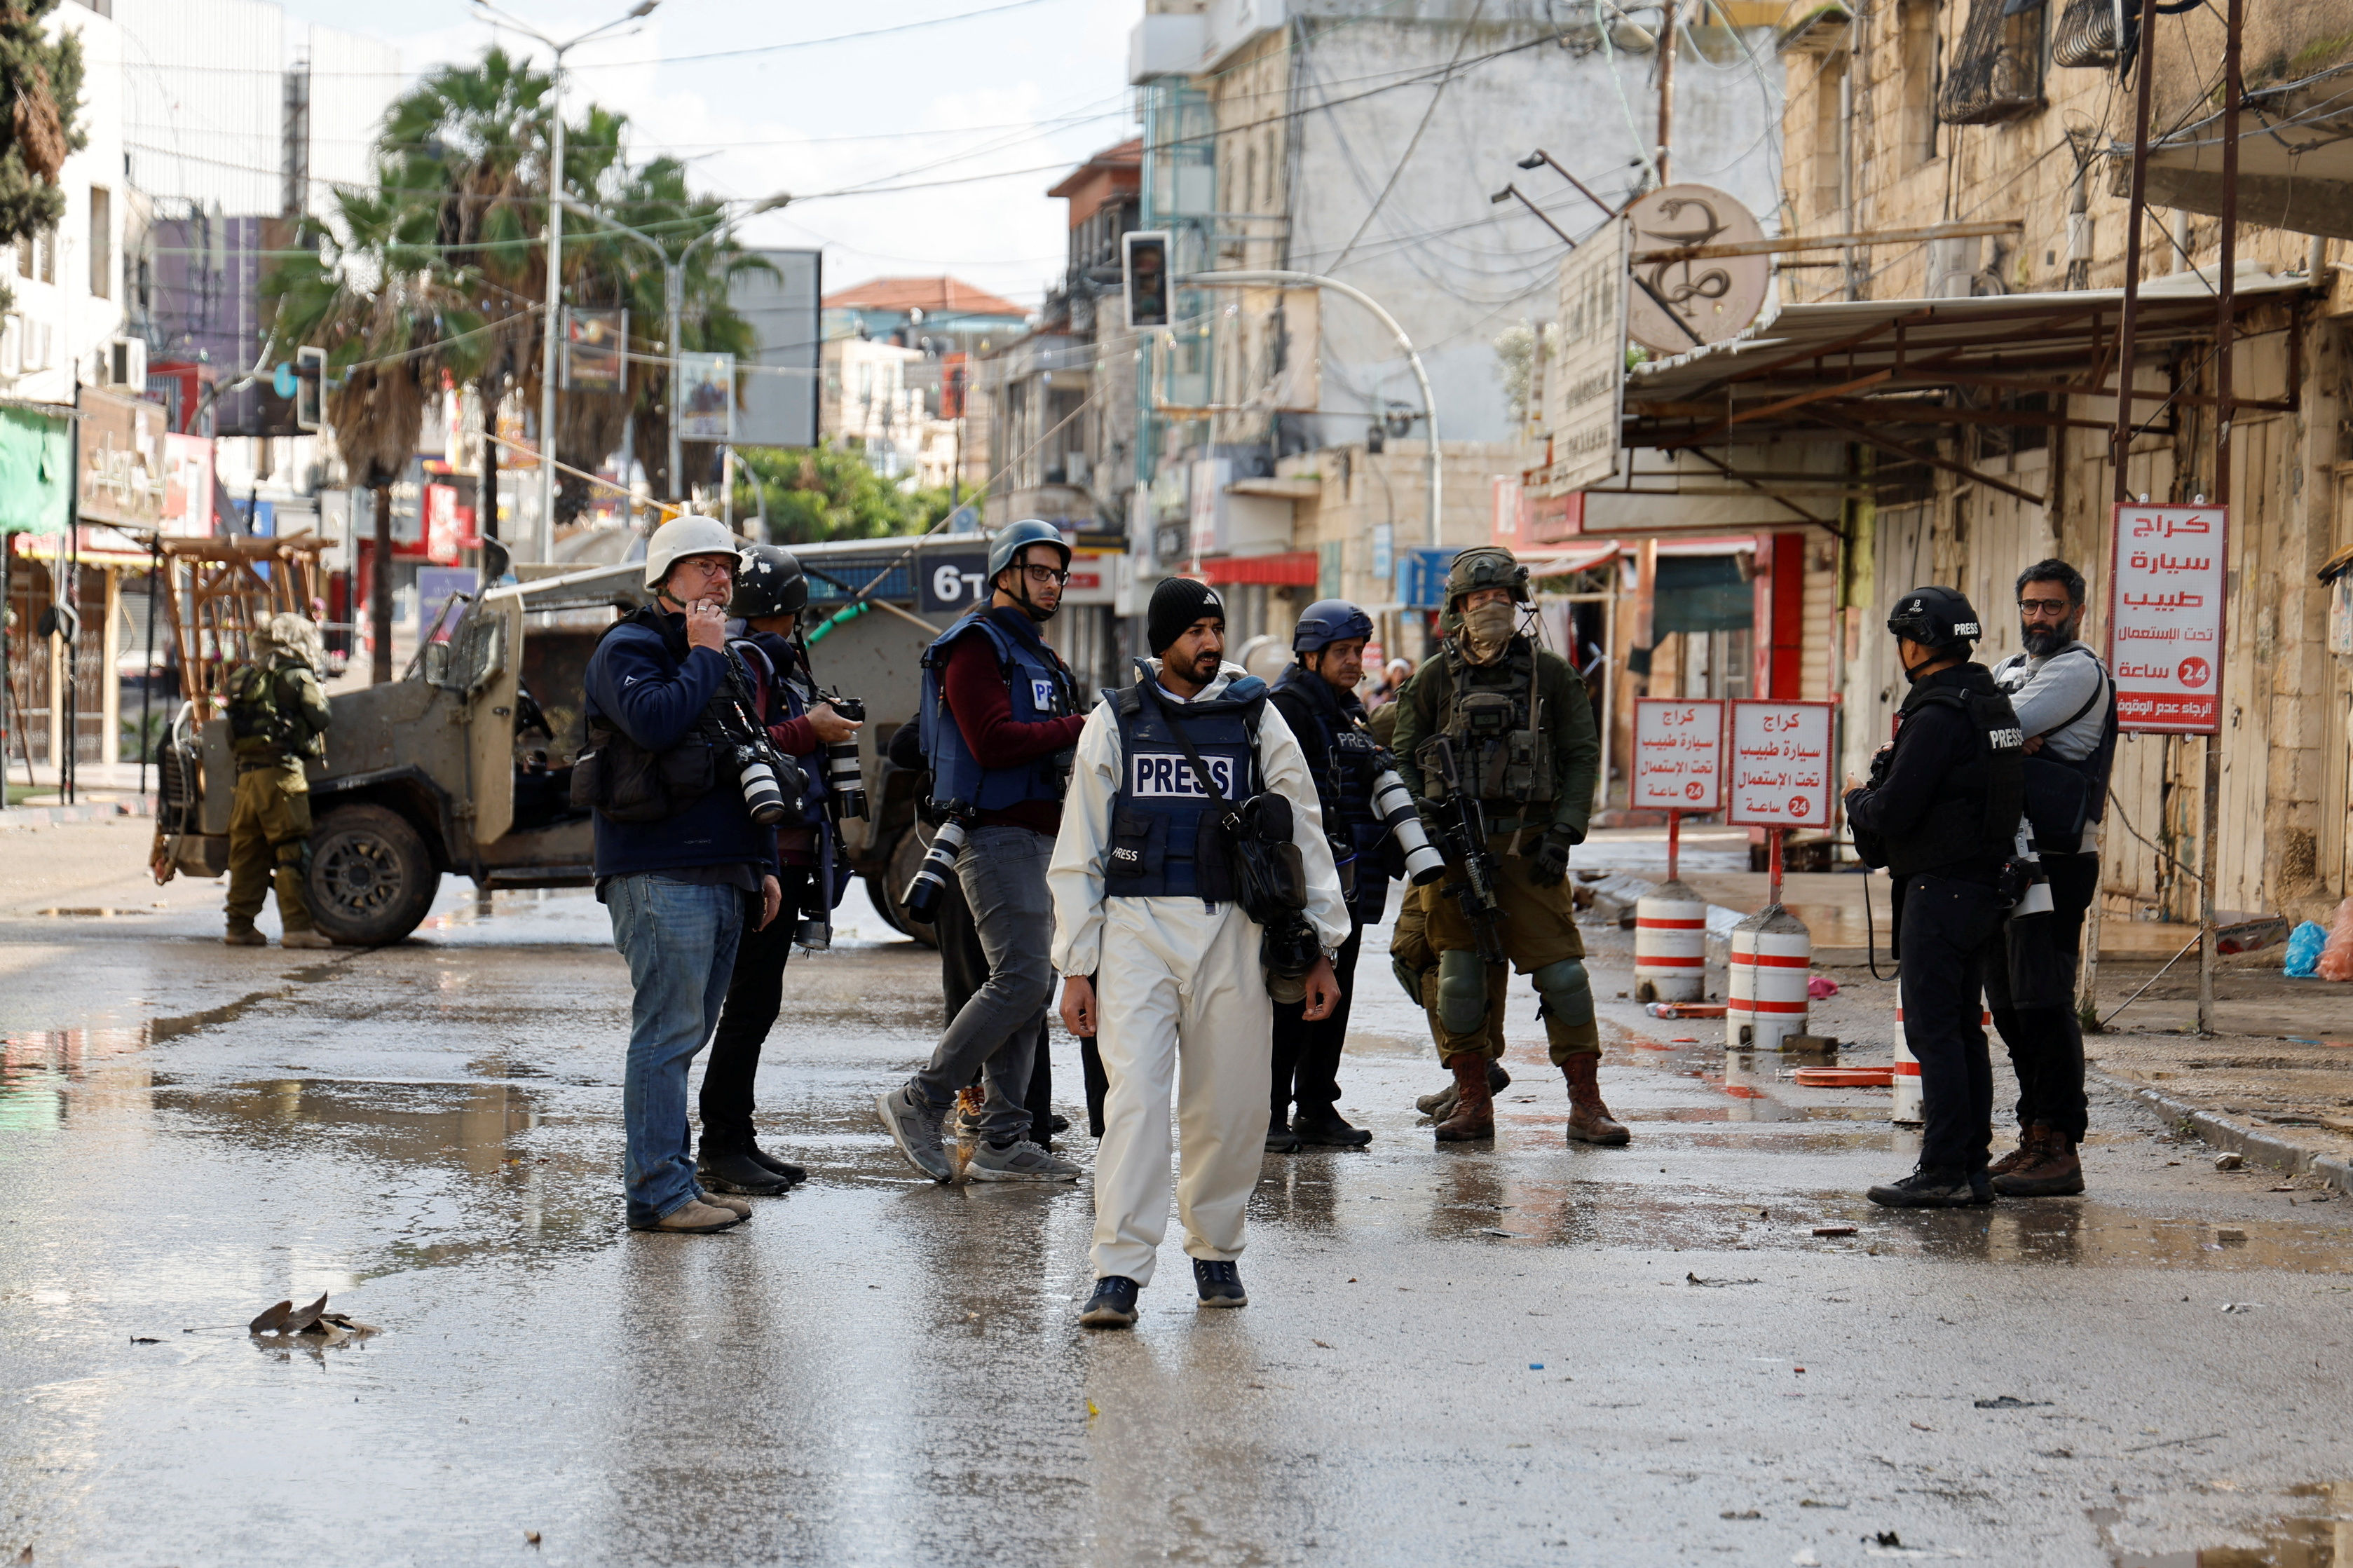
{"x": 1488, "y": 710}
{"x": 795, "y": 691}
{"x": 1340, "y": 759}
{"x": 1165, "y": 841}
{"x": 264, "y": 714}
{"x": 1040, "y": 687}
{"x": 1975, "y": 812}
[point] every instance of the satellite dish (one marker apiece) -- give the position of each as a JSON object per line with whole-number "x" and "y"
{"x": 1711, "y": 299}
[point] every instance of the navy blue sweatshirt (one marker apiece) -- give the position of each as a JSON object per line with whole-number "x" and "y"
{"x": 653, "y": 687}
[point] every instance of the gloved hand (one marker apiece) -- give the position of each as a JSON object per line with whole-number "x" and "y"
{"x": 1549, "y": 864}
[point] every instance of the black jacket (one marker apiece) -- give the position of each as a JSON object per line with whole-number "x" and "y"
{"x": 1933, "y": 811}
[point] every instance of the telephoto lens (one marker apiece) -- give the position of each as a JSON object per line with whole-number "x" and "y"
{"x": 762, "y": 796}
{"x": 2023, "y": 881}
{"x": 922, "y": 896}
{"x": 1392, "y": 805}
{"x": 815, "y": 932}
{"x": 845, "y": 782}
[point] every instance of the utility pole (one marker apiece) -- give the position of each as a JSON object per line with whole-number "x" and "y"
{"x": 1666, "y": 89}
{"x": 2226, "y": 303}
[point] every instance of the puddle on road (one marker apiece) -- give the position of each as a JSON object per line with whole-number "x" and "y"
{"x": 2315, "y": 1532}
{"x": 100, "y": 913}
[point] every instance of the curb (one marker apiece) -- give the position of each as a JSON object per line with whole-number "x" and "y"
{"x": 51, "y": 815}
{"x": 2260, "y": 1148}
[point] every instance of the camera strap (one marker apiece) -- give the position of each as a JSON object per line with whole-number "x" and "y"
{"x": 1227, "y": 814}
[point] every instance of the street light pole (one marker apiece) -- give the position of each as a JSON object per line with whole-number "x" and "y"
{"x": 1257, "y": 280}
{"x": 553, "y": 324}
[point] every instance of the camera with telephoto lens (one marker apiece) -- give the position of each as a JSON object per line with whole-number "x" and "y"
{"x": 922, "y": 896}
{"x": 845, "y": 783}
{"x": 756, "y": 774}
{"x": 2024, "y": 886}
{"x": 1394, "y": 806}
{"x": 815, "y": 931}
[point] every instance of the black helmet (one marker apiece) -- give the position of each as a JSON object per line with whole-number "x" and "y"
{"x": 1014, "y": 537}
{"x": 1328, "y": 621}
{"x": 1939, "y": 618}
{"x": 771, "y": 583}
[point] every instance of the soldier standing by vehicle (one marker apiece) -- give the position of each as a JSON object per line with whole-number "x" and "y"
{"x": 2066, "y": 707}
{"x": 277, "y": 718}
{"x": 770, "y": 592}
{"x": 999, "y": 713}
{"x": 1184, "y": 782}
{"x": 1941, "y": 813}
{"x": 1496, "y": 735}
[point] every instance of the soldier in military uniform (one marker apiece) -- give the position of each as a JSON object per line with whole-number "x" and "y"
{"x": 276, "y": 719}
{"x": 1521, "y": 731}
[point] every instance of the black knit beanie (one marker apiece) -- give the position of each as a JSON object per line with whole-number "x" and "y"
{"x": 1177, "y": 604}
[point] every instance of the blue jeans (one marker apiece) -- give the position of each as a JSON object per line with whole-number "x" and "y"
{"x": 994, "y": 1034}
{"x": 679, "y": 940}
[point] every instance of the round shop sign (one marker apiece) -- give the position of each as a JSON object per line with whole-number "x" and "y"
{"x": 1801, "y": 805}
{"x": 1675, "y": 306}
{"x": 2194, "y": 673}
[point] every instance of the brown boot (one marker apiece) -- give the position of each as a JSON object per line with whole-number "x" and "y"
{"x": 1588, "y": 1119}
{"x": 1474, "y": 1103}
{"x": 2053, "y": 1173}
{"x": 2028, "y": 1149}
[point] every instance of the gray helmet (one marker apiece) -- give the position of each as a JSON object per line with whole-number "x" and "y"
{"x": 770, "y": 584}
{"x": 1936, "y": 617}
{"x": 1015, "y": 536}
{"x": 1328, "y": 621}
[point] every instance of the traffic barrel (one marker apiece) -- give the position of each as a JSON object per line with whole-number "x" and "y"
{"x": 1907, "y": 1111}
{"x": 1767, "y": 1002}
{"x": 1670, "y": 944}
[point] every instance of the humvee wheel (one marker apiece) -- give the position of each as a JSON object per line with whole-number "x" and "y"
{"x": 371, "y": 879}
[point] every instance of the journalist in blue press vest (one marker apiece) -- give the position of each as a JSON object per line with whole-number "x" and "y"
{"x": 1192, "y": 883}
{"x": 687, "y": 790}
{"x": 999, "y": 718}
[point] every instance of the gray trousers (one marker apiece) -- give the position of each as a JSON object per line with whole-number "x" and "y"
{"x": 994, "y": 1034}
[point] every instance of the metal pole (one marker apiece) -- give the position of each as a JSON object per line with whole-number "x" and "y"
{"x": 1413, "y": 357}
{"x": 2135, "y": 211}
{"x": 2226, "y": 303}
{"x": 673, "y": 296}
{"x": 147, "y": 669}
{"x": 554, "y": 313}
{"x": 1666, "y": 89}
{"x": 1674, "y": 842}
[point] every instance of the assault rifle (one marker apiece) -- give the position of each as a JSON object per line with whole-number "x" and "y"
{"x": 1462, "y": 826}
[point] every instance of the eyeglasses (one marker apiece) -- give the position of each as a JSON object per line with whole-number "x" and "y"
{"x": 2046, "y": 606}
{"x": 1041, "y": 575}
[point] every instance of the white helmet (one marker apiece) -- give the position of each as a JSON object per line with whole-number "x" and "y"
{"x": 682, "y": 536}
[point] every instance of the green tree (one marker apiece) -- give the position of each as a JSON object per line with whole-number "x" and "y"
{"x": 40, "y": 104}
{"x": 815, "y": 493}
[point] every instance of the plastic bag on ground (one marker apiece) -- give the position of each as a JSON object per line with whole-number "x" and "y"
{"x": 2304, "y": 945}
{"x": 2337, "y": 954}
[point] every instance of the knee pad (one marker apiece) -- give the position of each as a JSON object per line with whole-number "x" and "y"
{"x": 1461, "y": 990}
{"x": 1565, "y": 991}
{"x": 1409, "y": 978}
{"x": 294, "y": 852}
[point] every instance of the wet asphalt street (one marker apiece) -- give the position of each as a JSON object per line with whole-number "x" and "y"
{"x": 1536, "y": 1353}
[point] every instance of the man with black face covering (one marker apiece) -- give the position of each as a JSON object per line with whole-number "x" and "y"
{"x": 1941, "y": 813}
{"x": 2066, "y": 705}
{"x": 999, "y": 719}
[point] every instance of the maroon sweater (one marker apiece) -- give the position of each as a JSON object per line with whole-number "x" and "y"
{"x": 983, "y": 711}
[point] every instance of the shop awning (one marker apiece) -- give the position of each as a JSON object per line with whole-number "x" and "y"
{"x": 1292, "y": 568}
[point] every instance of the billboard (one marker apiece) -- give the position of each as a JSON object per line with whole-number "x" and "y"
{"x": 119, "y": 465}
{"x": 2165, "y": 616}
{"x": 595, "y": 350}
{"x": 1584, "y": 385}
{"x": 706, "y": 398}
{"x": 779, "y": 400}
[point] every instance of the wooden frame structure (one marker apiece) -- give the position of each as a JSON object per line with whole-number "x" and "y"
{"x": 215, "y": 593}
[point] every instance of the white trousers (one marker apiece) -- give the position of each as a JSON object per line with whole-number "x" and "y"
{"x": 1181, "y": 1004}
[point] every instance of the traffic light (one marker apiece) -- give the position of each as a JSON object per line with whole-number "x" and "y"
{"x": 310, "y": 388}
{"x": 1145, "y": 253}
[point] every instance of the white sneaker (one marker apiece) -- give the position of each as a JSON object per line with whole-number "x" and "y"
{"x": 1021, "y": 1162}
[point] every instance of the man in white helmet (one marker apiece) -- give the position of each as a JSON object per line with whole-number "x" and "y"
{"x": 681, "y": 865}
{"x": 1160, "y": 959}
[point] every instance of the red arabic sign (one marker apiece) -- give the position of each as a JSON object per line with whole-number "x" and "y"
{"x": 1678, "y": 755}
{"x": 1780, "y": 764}
{"x": 2165, "y": 599}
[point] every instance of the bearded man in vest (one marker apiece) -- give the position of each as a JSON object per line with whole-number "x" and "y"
{"x": 1941, "y": 813}
{"x": 1162, "y": 963}
{"x": 278, "y": 720}
{"x": 1521, "y": 728}
{"x": 1000, "y": 717}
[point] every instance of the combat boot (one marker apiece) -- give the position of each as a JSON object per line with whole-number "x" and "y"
{"x": 1474, "y": 1117}
{"x": 299, "y": 939}
{"x": 1589, "y": 1121}
{"x": 1439, "y": 1106}
{"x": 2028, "y": 1149}
{"x": 2055, "y": 1172}
{"x": 245, "y": 936}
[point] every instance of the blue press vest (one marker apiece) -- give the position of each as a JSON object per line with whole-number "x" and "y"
{"x": 1159, "y": 812}
{"x": 1039, "y": 688}
{"x": 1344, "y": 789}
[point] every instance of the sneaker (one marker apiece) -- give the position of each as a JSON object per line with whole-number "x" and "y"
{"x": 916, "y": 1131}
{"x": 1929, "y": 1187}
{"x": 1220, "y": 1284}
{"x": 1112, "y": 1306}
{"x": 736, "y": 1207}
{"x": 1280, "y": 1137}
{"x": 1018, "y": 1162}
{"x": 244, "y": 936}
{"x": 1326, "y": 1128}
{"x": 694, "y": 1219}
{"x": 733, "y": 1170}
{"x": 792, "y": 1176}
{"x": 303, "y": 939}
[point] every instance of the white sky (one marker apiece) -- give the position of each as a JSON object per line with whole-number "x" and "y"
{"x": 1035, "y": 88}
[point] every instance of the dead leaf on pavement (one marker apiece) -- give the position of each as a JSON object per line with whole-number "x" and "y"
{"x": 271, "y": 1322}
